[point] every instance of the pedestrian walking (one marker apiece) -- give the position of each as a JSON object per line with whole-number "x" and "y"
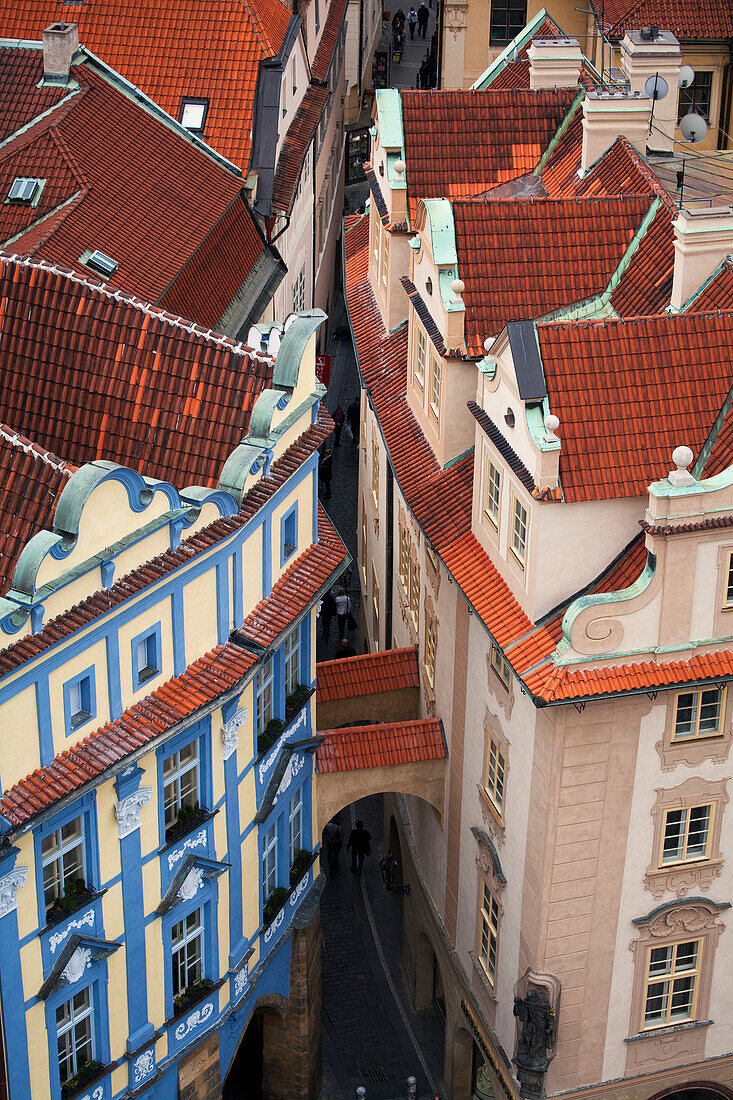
{"x": 352, "y": 418}
{"x": 398, "y": 21}
{"x": 359, "y": 843}
{"x": 328, "y": 610}
{"x": 343, "y": 607}
{"x": 333, "y": 836}
{"x": 412, "y": 20}
{"x": 423, "y": 15}
{"x": 345, "y": 649}
{"x": 325, "y": 472}
{"x": 423, "y": 76}
{"x": 338, "y": 419}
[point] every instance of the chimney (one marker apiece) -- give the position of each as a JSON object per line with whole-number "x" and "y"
{"x": 60, "y": 43}
{"x": 608, "y": 115}
{"x": 554, "y": 62}
{"x": 702, "y": 240}
{"x": 650, "y": 53}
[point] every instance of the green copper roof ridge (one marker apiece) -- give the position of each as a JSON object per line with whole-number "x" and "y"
{"x": 703, "y": 286}
{"x": 458, "y": 458}
{"x": 707, "y": 447}
{"x": 557, "y": 136}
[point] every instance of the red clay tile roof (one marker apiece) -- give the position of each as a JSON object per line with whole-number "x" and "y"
{"x": 524, "y": 258}
{"x": 717, "y": 294}
{"x": 295, "y": 146}
{"x": 461, "y": 143}
{"x": 628, "y": 392}
{"x": 93, "y": 375}
{"x": 173, "y": 52}
{"x": 201, "y": 683}
{"x": 350, "y": 749}
{"x": 79, "y": 616}
{"x": 367, "y": 674}
{"x": 646, "y": 284}
{"x": 688, "y": 20}
{"x": 515, "y": 74}
{"x": 172, "y": 216}
{"x": 620, "y": 171}
{"x": 21, "y": 100}
{"x": 324, "y": 54}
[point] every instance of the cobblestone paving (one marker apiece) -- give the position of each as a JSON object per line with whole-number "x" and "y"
{"x": 404, "y": 73}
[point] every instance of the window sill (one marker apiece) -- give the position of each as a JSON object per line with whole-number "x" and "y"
{"x": 61, "y": 916}
{"x": 490, "y": 805}
{"x": 483, "y": 977}
{"x": 674, "y": 1029}
{"x": 146, "y": 674}
{"x": 206, "y": 993}
{"x": 86, "y": 1086}
{"x": 516, "y": 557}
{"x": 186, "y": 830}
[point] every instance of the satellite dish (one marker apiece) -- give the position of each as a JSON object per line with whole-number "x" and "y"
{"x": 656, "y": 87}
{"x": 254, "y": 338}
{"x": 273, "y": 341}
{"x": 686, "y": 77}
{"x": 693, "y": 127}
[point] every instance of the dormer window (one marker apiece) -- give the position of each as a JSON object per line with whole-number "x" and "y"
{"x": 193, "y": 114}
{"x": 100, "y": 262}
{"x": 25, "y": 191}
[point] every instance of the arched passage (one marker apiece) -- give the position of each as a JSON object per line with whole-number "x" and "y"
{"x": 251, "y": 1069}
{"x": 462, "y": 1065}
{"x": 696, "y": 1090}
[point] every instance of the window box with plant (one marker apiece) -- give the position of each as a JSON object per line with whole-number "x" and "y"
{"x": 296, "y": 700}
{"x": 274, "y": 904}
{"x": 269, "y": 735}
{"x": 196, "y": 991}
{"x": 76, "y": 894}
{"x": 189, "y": 817}
{"x": 301, "y": 863}
{"x": 85, "y": 1075}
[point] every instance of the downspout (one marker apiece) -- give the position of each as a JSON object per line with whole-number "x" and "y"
{"x": 390, "y": 559}
{"x": 280, "y": 232}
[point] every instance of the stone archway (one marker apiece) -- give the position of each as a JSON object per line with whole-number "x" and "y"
{"x": 425, "y": 963}
{"x": 696, "y": 1090}
{"x": 248, "y": 1076}
{"x": 461, "y": 1076}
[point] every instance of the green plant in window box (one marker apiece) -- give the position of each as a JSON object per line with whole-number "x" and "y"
{"x": 274, "y": 904}
{"x": 296, "y": 699}
{"x": 75, "y": 893}
{"x": 188, "y": 816}
{"x": 300, "y": 865}
{"x": 272, "y": 731}
{"x": 191, "y": 993}
{"x": 85, "y": 1073}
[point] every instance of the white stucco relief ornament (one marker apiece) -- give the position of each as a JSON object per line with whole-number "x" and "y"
{"x": 9, "y": 886}
{"x": 191, "y": 884}
{"x": 77, "y": 964}
{"x": 128, "y": 810}
{"x": 144, "y": 1065}
{"x": 230, "y": 732}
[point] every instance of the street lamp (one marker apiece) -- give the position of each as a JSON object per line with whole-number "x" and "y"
{"x": 389, "y": 867}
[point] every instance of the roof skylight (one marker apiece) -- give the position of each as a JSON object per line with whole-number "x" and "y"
{"x": 24, "y": 190}
{"x": 100, "y": 262}
{"x": 193, "y": 114}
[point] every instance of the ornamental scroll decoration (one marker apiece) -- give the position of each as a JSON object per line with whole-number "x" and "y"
{"x": 9, "y": 886}
{"x": 455, "y": 18}
{"x": 230, "y": 732}
{"x": 698, "y": 915}
{"x": 128, "y": 811}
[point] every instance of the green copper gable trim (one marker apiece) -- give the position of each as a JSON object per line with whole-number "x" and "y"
{"x": 459, "y": 458}
{"x": 707, "y": 447}
{"x": 507, "y": 54}
{"x": 389, "y": 119}
{"x": 599, "y": 598}
{"x": 292, "y": 347}
{"x": 442, "y": 232}
{"x": 554, "y": 141}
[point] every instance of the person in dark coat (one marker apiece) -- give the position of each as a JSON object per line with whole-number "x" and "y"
{"x": 346, "y": 649}
{"x": 328, "y": 611}
{"x": 423, "y": 15}
{"x": 325, "y": 472}
{"x": 333, "y": 836}
{"x": 338, "y": 419}
{"x": 359, "y": 843}
{"x": 398, "y": 21}
{"x": 352, "y": 415}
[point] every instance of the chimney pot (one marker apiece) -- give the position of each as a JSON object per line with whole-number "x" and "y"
{"x": 702, "y": 240}
{"x": 60, "y": 43}
{"x": 554, "y": 62}
{"x": 651, "y": 52}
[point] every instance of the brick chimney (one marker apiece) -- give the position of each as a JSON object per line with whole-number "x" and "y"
{"x": 650, "y": 52}
{"x": 608, "y": 115}
{"x": 60, "y": 43}
{"x": 554, "y": 62}
{"x": 702, "y": 240}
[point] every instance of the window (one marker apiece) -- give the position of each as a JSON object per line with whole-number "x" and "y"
{"x": 405, "y": 559}
{"x": 698, "y": 714}
{"x": 414, "y": 591}
{"x": 671, "y": 982}
{"x": 296, "y": 825}
{"x": 488, "y": 933}
{"x": 375, "y": 472}
{"x": 293, "y": 77}
{"x": 729, "y": 582}
{"x": 696, "y": 98}
{"x": 363, "y": 543}
{"x": 292, "y": 661}
{"x": 264, "y": 696}
{"x": 492, "y": 492}
{"x": 193, "y": 114}
{"x": 500, "y": 665}
{"x": 62, "y": 858}
{"x": 508, "y": 17}
{"x": 288, "y": 534}
{"x": 435, "y": 383}
{"x": 385, "y": 257}
{"x": 100, "y": 261}
{"x": 686, "y": 835}
{"x": 180, "y": 783}
{"x": 375, "y": 232}
{"x": 431, "y": 645}
{"x": 80, "y": 703}
{"x": 420, "y": 355}
{"x": 375, "y": 607}
{"x": 495, "y": 772}
{"x": 75, "y": 1034}
{"x": 187, "y": 944}
{"x": 269, "y": 862}
{"x": 299, "y": 291}
{"x": 519, "y": 532}
{"x": 145, "y": 657}
{"x": 25, "y": 191}
{"x": 318, "y": 18}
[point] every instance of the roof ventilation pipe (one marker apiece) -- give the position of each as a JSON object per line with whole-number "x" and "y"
{"x": 554, "y": 62}
{"x": 702, "y": 240}
{"x": 60, "y": 43}
{"x": 652, "y": 60}
{"x": 608, "y": 115}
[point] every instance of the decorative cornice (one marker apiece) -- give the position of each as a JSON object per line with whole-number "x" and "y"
{"x": 710, "y": 524}
{"x": 9, "y": 886}
{"x": 128, "y": 811}
{"x": 230, "y": 732}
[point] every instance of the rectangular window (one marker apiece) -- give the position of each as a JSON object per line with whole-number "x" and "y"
{"x": 146, "y": 660}
{"x": 375, "y": 607}
{"x": 80, "y": 702}
{"x": 269, "y": 862}
{"x": 375, "y": 232}
{"x": 431, "y": 645}
{"x": 296, "y": 825}
{"x": 288, "y": 534}
{"x": 729, "y": 582}
{"x": 508, "y": 17}
{"x": 489, "y": 933}
{"x": 180, "y": 783}
{"x": 405, "y": 559}
{"x": 436, "y": 372}
{"x": 264, "y": 696}
{"x": 292, "y": 661}
{"x": 686, "y": 834}
{"x": 696, "y": 98}
{"x": 414, "y": 591}
{"x": 62, "y": 858}
{"x": 699, "y": 714}
{"x": 375, "y": 472}
{"x": 385, "y": 257}
{"x": 500, "y": 665}
{"x": 193, "y": 114}
{"x": 672, "y": 977}
{"x": 363, "y": 543}
{"x": 187, "y": 948}
{"x": 75, "y": 1034}
{"x": 495, "y": 772}
{"x": 299, "y": 291}
{"x": 421, "y": 352}
{"x": 519, "y": 532}
{"x": 492, "y": 492}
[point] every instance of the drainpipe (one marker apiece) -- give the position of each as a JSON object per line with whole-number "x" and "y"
{"x": 390, "y": 559}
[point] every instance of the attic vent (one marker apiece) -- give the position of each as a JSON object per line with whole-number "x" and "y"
{"x": 24, "y": 190}
{"x": 105, "y": 265}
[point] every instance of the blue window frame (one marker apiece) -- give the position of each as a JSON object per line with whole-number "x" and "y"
{"x": 289, "y": 533}
{"x": 80, "y": 700}
{"x": 184, "y": 779}
{"x": 77, "y": 1027}
{"x": 67, "y": 852}
{"x": 146, "y": 656}
{"x": 189, "y": 944}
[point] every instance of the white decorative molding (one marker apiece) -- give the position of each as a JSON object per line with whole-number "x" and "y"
{"x": 241, "y": 981}
{"x": 294, "y": 768}
{"x": 9, "y": 886}
{"x": 200, "y": 1016}
{"x": 230, "y": 732}
{"x": 77, "y": 964}
{"x": 98, "y": 1094}
{"x": 192, "y": 842}
{"x": 144, "y": 1065}
{"x": 127, "y": 811}
{"x": 191, "y": 884}
{"x": 57, "y": 938}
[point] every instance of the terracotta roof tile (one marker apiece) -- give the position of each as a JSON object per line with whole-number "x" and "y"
{"x": 347, "y": 677}
{"x": 515, "y": 73}
{"x": 351, "y": 749}
{"x": 295, "y": 146}
{"x": 718, "y": 293}
{"x": 324, "y": 54}
{"x": 688, "y": 20}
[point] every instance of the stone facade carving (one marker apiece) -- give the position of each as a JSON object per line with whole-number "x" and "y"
{"x": 128, "y": 811}
{"x": 230, "y": 732}
{"x": 455, "y": 18}
{"x": 9, "y": 886}
{"x": 680, "y": 878}
{"x": 77, "y": 964}
{"x": 144, "y": 1065}
{"x": 191, "y": 885}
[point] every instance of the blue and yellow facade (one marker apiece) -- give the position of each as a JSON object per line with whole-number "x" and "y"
{"x": 156, "y": 759}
